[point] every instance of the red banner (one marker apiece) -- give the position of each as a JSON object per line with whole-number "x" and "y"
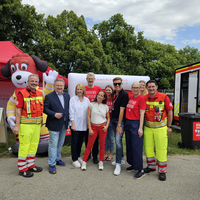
{"x": 196, "y": 131}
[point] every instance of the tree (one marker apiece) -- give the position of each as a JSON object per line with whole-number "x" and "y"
{"x": 159, "y": 61}
{"x": 66, "y": 44}
{"x": 189, "y": 55}
{"x": 120, "y": 44}
{"x": 19, "y": 24}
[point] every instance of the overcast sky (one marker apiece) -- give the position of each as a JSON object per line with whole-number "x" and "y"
{"x": 175, "y": 22}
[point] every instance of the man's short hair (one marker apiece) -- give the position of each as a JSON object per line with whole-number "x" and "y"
{"x": 151, "y": 81}
{"x": 117, "y": 78}
{"x": 82, "y": 87}
{"x": 91, "y": 74}
{"x": 59, "y": 79}
{"x": 33, "y": 75}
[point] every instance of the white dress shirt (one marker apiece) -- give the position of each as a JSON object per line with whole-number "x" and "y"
{"x": 78, "y": 112}
{"x": 61, "y": 98}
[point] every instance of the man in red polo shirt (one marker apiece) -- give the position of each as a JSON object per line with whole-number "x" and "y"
{"x": 91, "y": 92}
{"x": 158, "y": 119}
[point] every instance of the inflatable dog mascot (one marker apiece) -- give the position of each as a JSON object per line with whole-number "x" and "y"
{"x": 19, "y": 67}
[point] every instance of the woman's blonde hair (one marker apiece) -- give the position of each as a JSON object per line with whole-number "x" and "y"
{"x": 82, "y": 87}
{"x": 136, "y": 82}
{"x": 145, "y": 89}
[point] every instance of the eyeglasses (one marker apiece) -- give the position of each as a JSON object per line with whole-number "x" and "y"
{"x": 135, "y": 88}
{"x": 115, "y": 84}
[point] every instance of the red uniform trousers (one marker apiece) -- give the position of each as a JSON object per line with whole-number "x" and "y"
{"x": 98, "y": 131}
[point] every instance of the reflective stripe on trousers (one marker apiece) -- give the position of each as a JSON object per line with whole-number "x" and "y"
{"x": 22, "y": 164}
{"x": 26, "y": 163}
{"x": 29, "y": 135}
{"x": 151, "y": 162}
{"x": 156, "y": 137}
{"x": 162, "y": 166}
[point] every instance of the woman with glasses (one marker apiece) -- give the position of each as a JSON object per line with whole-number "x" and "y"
{"x": 135, "y": 110}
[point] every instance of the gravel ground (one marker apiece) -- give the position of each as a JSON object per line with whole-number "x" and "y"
{"x": 183, "y": 181}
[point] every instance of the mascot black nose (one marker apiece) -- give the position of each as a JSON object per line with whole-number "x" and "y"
{"x": 18, "y": 77}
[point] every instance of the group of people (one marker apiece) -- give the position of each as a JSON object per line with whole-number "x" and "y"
{"x": 99, "y": 117}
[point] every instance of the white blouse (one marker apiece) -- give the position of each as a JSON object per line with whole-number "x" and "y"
{"x": 98, "y": 112}
{"x": 78, "y": 112}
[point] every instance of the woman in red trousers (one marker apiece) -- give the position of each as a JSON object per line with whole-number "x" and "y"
{"x": 98, "y": 119}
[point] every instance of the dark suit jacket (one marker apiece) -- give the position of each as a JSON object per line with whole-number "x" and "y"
{"x": 52, "y": 105}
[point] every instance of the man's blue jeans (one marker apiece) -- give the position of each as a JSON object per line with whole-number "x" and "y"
{"x": 110, "y": 141}
{"x": 56, "y": 141}
{"x": 118, "y": 140}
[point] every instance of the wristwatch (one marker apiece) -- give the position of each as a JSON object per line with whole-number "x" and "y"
{"x": 119, "y": 125}
{"x": 169, "y": 126}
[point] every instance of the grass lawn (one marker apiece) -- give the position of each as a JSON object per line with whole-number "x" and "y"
{"x": 173, "y": 149}
{"x": 4, "y": 153}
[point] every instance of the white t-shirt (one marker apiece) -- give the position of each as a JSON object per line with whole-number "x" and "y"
{"x": 98, "y": 113}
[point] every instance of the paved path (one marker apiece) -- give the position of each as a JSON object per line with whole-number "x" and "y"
{"x": 183, "y": 182}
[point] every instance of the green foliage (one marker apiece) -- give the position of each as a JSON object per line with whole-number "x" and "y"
{"x": 4, "y": 153}
{"x": 159, "y": 61}
{"x": 120, "y": 44}
{"x": 173, "y": 139}
{"x": 19, "y": 24}
{"x": 69, "y": 46}
{"x": 189, "y": 55}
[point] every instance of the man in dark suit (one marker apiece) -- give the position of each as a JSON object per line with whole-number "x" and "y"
{"x": 56, "y": 106}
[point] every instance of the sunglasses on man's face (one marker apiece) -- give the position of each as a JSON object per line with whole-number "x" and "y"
{"x": 115, "y": 84}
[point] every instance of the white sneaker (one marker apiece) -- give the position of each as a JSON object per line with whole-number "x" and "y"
{"x": 80, "y": 160}
{"x": 83, "y": 167}
{"x": 113, "y": 163}
{"x": 123, "y": 161}
{"x": 117, "y": 170}
{"x": 100, "y": 165}
{"x": 76, "y": 164}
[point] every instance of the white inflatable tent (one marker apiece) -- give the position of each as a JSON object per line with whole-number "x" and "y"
{"x": 102, "y": 80}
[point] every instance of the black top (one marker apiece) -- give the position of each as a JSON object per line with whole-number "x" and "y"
{"x": 120, "y": 100}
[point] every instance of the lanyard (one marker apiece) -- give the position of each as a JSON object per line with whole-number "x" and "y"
{"x": 114, "y": 99}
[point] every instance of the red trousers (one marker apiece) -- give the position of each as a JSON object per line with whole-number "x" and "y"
{"x": 91, "y": 139}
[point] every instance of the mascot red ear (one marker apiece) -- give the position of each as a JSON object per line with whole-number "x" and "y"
{"x": 23, "y": 62}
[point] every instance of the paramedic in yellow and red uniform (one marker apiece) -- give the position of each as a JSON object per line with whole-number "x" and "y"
{"x": 158, "y": 119}
{"x": 28, "y": 124}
